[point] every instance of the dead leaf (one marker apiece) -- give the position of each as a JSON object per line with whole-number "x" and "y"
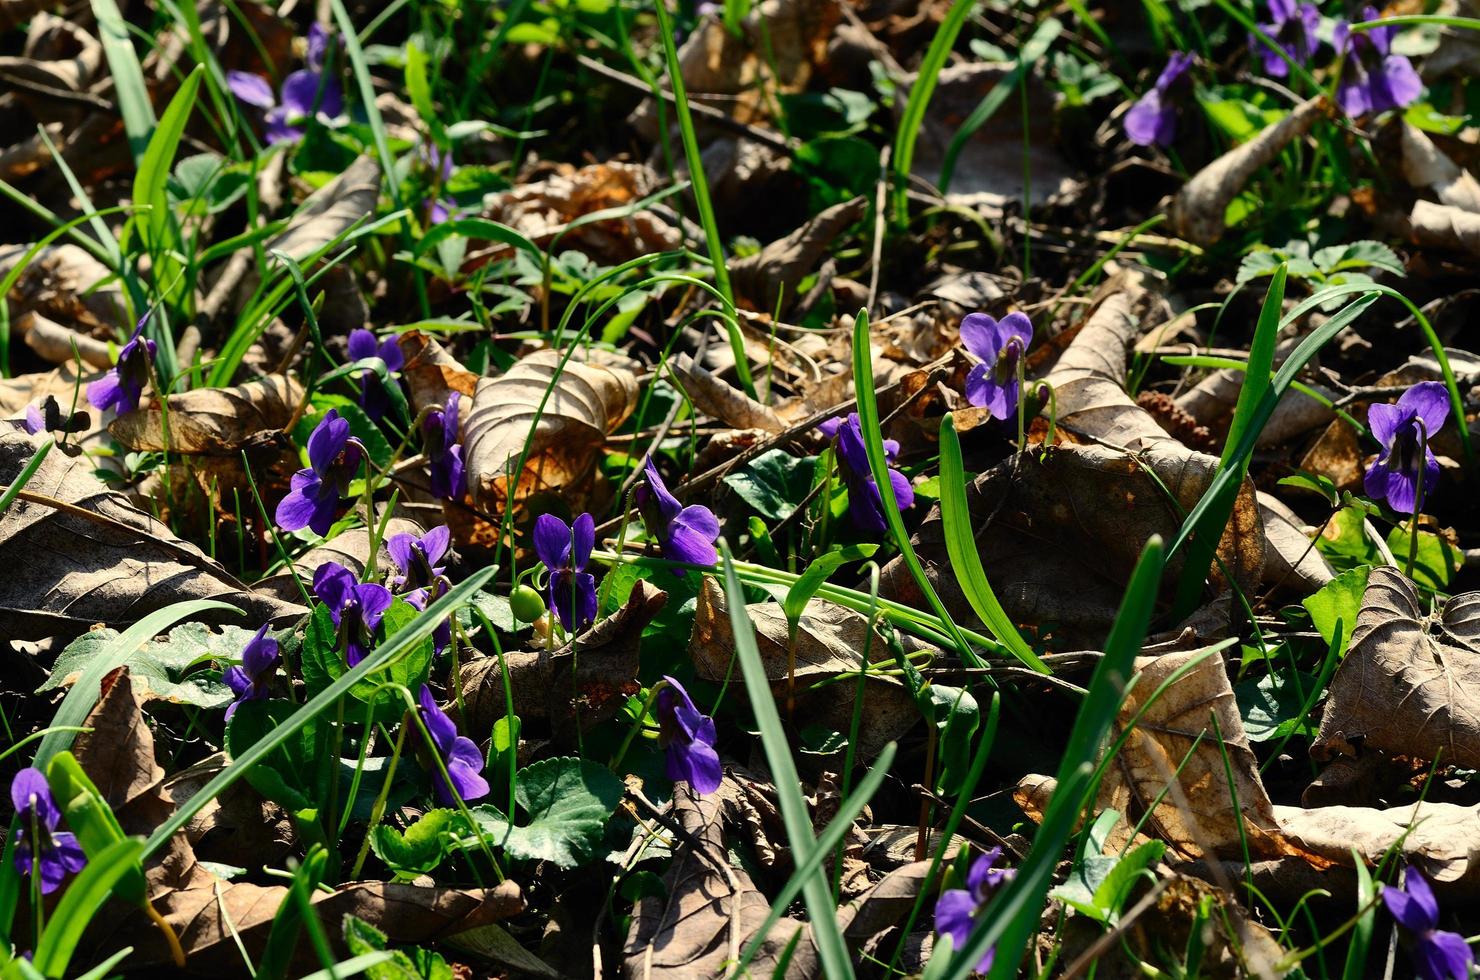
{"x": 1444, "y": 226}
{"x": 762, "y": 279}
{"x": 55, "y": 343}
{"x": 1410, "y": 681}
{"x": 212, "y": 421}
{"x": 718, "y": 398}
{"x": 14, "y": 12}
{"x": 111, "y": 569}
{"x": 1292, "y": 559}
{"x": 350, "y": 549}
{"x": 59, "y": 57}
{"x": 830, "y": 640}
{"x": 1443, "y": 839}
{"x": 431, "y": 372}
{"x": 1199, "y": 208}
{"x": 1425, "y": 166}
{"x": 66, "y": 284}
{"x": 584, "y": 683}
{"x": 332, "y": 210}
{"x": 563, "y": 433}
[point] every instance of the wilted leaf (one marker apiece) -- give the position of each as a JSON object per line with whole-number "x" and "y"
{"x": 66, "y": 284}
{"x": 331, "y": 211}
{"x": 74, "y": 571}
{"x": 1200, "y": 207}
{"x": 563, "y": 415}
{"x": 1410, "y": 683}
{"x": 830, "y": 641}
{"x": 1425, "y": 166}
{"x": 212, "y": 421}
{"x": 716, "y": 397}
{"x": 762, "y": 279}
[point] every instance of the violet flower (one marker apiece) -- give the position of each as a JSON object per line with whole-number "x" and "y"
{"x": 439, "y": 438}
{"x": 685, "y": 534}
{"x": 1373, "y": 79}
{"x": 1293, "y": 27}
{"x": 566, "y": 550}
{"x": 1152, "y": 121}
{"x": 333, "y": 460}
{"x": 357, "y": 607}
{"x": 439, "y": 162}
{"x": 362, "y": 347}
{"x": 39, "y": 846}
{"x": 34, "y": 421}
{"x": 865, "y": 503}
{"x": 416, "y": 560}
{"x": 302, "y": 92}
{"x": 957, "y": 909}
{"x": 1000, "y": 344}
{"x": 1405, "y": 431}
{"x": 459, "y": 754}
{"x": 250, "y": 681}
{"x": 121, "y": 388}
{"x": 1437, "y": 953}
{"x": 687, "y": 738}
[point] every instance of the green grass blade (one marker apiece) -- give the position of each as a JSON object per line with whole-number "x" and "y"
{"x": 128, "y": 76}
{"x": 919, "y": 100}
{"x": 13, "y": 491}
{"x": 832, "y": 835}
{"x": 86, "y": 690}
{"x": 1203, "y": 545}
{"x": 1361, "y": 942}
{"x": 821, "y": 910}
{"x": 873, "y": 439}
{"x": 85, "y": 895}
{"x": 966, "y": 561}
{"x": 1013, "y": 916}
{"x": 395, "y": 646}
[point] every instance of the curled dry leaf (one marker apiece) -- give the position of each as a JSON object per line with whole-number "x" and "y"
{"x": 13, "y": 12}
{"x": 331, "y": 210}
{"x": 1427, "y": 167}
{"x": 350, "y": 549}
{"x": 563, "y": 414}
{"x": 1444, "y": 226}
{"x": 59, "y": 56}
{"x": 718, "y": 398}
{"x": 1172, "y": 764}
{"x": 55, "y": 343}
{"x": 830, "y": 640}
{"x": 212, "y": 421}
{"x": 1199, "y": 208}
{"x": 583, "y": 683}
{"x": 93, "y": 558}
{"x": 762, "y": 279}
{"x": 431, "y": 372}
{"x": 1441, "y": 839}
{"x": 215, "y": 918}
{"x": 1291, "y": 558}
{"x": 66, "y": 284}
{"x": 1410, "y": 682}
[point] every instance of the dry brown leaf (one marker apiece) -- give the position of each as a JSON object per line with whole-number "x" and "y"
{"x": 1444, "y": 226}
{"x": 1442, "y": 839}
{"x": 112, "y": 569}
{"x": 60, "y": 57}
{"x": 583, "y": 683}
{"x": 330, "y": 211}
{"x": 431, "y": 372}
{"x": 212, "y": 421}
{"x": 1291, "y": 559}
{"x": 1427, "y": 167}
{"x": 1198, "y": 209}
{"x": 762, "y": 279}
{"x": 718, "y": 398}
{"x": 585, "y": 404}
{"x": 14, "y": 12}
{"x": 66, "y": 284}
{"x": 55, "y": 343}
{"x": 1410, "y": 681}
{"x": 212, "y": 916}
{"x": 830, "y": 641}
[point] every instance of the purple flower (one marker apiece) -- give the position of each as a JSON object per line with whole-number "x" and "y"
{"x": 320, "y": 42}
{"x": 302, "y": 92}
{"x": 1000, "y": 344}
{"x": 333, "y": 460}
{"x": 957, "y": 909}
{"x": 35, "y": 422}
{"x": 1437, "y": 954}
{"x": 259, "y": 662}
{"x": 684, "y": 534}
{"x": 865, "y": 504}
{"x": 687, "y": 738}
{"x": 1152, "y": 121}
{"x": 565, "y": 550}
{"x": 39, "y": 845}
{"x": 463, "y": 760}
{"x": 122, "y": 386}
{"x": 1405, "y": 431}
{"x": 439, "y": 162}
{"x": 357, "y": 608}
{"x": 439, "y": 436}
{"x": 416, "y": 557}
{"x": 1373, "y": 79}
{"x": 363, "y": 347}
{"x": 1293, "y": 27}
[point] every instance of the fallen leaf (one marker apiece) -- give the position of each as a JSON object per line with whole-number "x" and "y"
{"x": 1427, "y": 167}
{"x": 1410, "y": 682}
{"x": 67, "y": 285}
{"x": 431, "y": 372}
{"x": 830, "y": 639}
{"x": 1198, "y": 211}
{"x": 350, "y": 549}
{"x": 332, "y": 210}
{"x": 93, "y": 558}
{"x": 212, "y": 421}
{"x": 559, "y": 415}
{"x": 761, "y": 280}
{"x": 716, "y": 397}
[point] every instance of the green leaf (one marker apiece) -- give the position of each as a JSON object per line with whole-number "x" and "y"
{"x": 774, "y": 483}
{"x": 1358, "y": 255}
{"x": 362, "y": 939}
{"x": 160, "y": 671}
{"x": 128, "y": 76}
{"x": 90, "y": 818}
{"x": 819, "y": 570}
{"x": 323, "y": 661}
{"x": 421, "y": 847}
{"x": 1345, "y": 543}
{"x": 1335, "y": 605}
{"x": 1436, "y": 561}
{"x": 82, "y": 900}
{"x": 1272, "y": 706}
{"x": 567, "y": 802}
{"x": 956, "y": 716}
{"x": 292, "y": 775}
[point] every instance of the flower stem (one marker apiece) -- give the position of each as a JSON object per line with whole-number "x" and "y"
{"x": 647, "y": 707}
{"x": 1423, "y": 456}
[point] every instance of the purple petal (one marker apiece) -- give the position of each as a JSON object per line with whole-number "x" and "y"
{"x": 697, "y": 764}
{"x": 251, "y": 89}
{"x": 829, "y": 427}
{"x": 1385, "y": 420}
{"x": 300, "y": 90}
{"x": 953, "y": 912}
{"x": 586, "y": 605}
{"x": 390, "y": 353}
{"x": 334, "y": 585}
{"x": 982, "y": 335}
{"x": 464, "y": 763}
{"x": 105, "y": 392}
{"x": 327, "y": 441}
{"x": 668, "y": 504}
{"x": 1395, "y": 84}
{"x": 1352, "y": 93}
{"x": 307, "y": 507}
{"x": 436, "y": 542}
{"x": 1016, "y": 324}
{"x": 983, "y": 391}
{"x": 279, "y": 130}
{"x": 260, "y": 654}
{"x": 318, "y": 46}
{"x": 362, "y": 344}
{"x": 584, "y": 536}
{"x": 1176, "y": 67}
{"x": 29, "y": 792}
{"x": 1443, "y": 954}
{"x": 1150, "y": 122}
{"x": 980, "y": 877}
{"x": 1428, "y": 401}
{"x": 35, "y": 421}
{"x": 239, "y": 682}
{"x": 399, "y": 547}
{"x": 904, "y": 492}
{"x": 374, "y": 601}
{"x": 691, "y": 536}
{"x": 552, "y": 541}
{"x": 441, "y": 727}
